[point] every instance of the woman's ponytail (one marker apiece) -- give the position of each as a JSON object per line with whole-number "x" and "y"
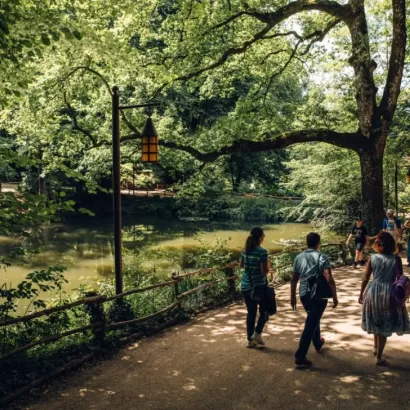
{"x": 254, "y": 239}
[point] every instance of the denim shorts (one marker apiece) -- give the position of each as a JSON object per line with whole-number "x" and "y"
{"x": 359, "y": 246}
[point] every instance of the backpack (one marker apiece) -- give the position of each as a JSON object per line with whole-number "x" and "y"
{"x": 401, "y": 287}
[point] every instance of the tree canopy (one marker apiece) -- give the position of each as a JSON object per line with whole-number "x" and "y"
{"x": 235, "y": 80}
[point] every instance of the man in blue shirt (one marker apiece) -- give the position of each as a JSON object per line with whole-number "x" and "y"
{"x": 306, "y": 265}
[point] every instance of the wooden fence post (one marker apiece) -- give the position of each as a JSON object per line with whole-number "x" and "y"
{"x": 97, "y": 315}
{"x": 229, "y": 272}
{"x": 176, "y": 289}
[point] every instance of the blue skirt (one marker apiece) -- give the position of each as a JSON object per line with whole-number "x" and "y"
{"x": 379, "y": 313}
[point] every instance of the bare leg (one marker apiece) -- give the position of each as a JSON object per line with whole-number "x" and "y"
{"x": 381, "y": 343}
{"x": 375, "y": 341}
{"x": 359, "y": 255}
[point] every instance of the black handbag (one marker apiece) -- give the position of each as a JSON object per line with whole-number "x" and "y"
{"x": 270, "y": 301}
{"x": 318, "y": 285}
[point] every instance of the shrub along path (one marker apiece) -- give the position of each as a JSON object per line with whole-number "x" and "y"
{"x": 204, "y": 365}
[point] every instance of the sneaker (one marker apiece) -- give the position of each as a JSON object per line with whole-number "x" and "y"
{"x": 355, "y": 265}
{"x": 251, "y": 344}
{"x": 302, "y": 363}
{"x": 380, "y": 362}
{"x": 257, "y": 337}
{"x": 322, "y": 339}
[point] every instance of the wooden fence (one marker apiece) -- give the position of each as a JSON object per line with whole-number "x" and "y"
{"x": 335, "y": 250}
{"x": 174, "y": 283}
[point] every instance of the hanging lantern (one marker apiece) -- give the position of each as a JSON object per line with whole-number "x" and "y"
{"x": 408, "y": 176}
{"x": 149, "y": 142}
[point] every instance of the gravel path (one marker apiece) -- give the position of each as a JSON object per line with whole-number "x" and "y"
{"x": 204, "y": 365}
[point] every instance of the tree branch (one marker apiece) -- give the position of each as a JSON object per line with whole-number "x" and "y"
{"x": 319, "y": 35}
{"x": 353, "y": 141}
{"x": 363, "y": 67}
{"x": 227, "y": 21}
{"x": 396, "y": 64}
{"x": 227, "y": 53}
{"x": 76, "y": 126}
{"x": 333, "y": 8}
{"x": 341, "y": 12}
{"x": 90, "y": 70}
{"x": 280, "y": 71}
{"x": 273, "y": 53}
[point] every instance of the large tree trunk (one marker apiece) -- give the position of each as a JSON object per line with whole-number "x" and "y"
{"x": 371, "y": 162}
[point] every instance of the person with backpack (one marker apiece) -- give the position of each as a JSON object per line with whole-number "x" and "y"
{"x": 361, "y": 238}
{"x": 392, "y": 225}
{"x": 382, "y": 315}
{"x": 307, "y": 265}
{"x": 254, "y": 260}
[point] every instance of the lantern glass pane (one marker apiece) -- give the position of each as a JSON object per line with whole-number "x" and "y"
{"x": 153, "y": 148}
{"x": 153, "y": 140}
{"x": 145, "y": 140}
{"x": 145, "y": 148}
{"x": 145, "y": 158}
{"x": 153, "y": 157}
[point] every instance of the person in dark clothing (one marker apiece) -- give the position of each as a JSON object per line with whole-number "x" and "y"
{"x": 305, "y": 266}
{"x": 361, "y": 239}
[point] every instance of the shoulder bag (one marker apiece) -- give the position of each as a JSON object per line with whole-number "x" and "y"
{"x": 318, "y": 286}
{"x": 401, "y": 286}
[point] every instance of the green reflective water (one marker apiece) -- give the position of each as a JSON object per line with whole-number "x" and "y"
{"x": 86, "y": 247}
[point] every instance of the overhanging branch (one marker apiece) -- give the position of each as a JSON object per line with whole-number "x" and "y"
{"x": 340, "y": 12}
{"x": 353, "y": 141}
{"x": 332, "y": 8}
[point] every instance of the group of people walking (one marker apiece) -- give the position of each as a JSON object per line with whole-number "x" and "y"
{"x": 381, "y": 317}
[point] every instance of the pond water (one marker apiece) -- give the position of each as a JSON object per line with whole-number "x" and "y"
{"x": 86, "y": 247}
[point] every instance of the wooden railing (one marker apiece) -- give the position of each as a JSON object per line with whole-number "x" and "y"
{"x": 229, "y": 276}
{"x": 338, "y": 249}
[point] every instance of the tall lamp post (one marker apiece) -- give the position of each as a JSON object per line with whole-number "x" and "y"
{"x": 149, "y": 139}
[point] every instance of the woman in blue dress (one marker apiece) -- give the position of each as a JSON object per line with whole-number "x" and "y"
{"x": 380, "y": 316}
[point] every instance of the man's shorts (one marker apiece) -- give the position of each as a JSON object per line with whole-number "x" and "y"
{"x": 359, "y": 246}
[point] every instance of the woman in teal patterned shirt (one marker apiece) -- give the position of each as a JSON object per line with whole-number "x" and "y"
{"x": 254, "y": 259}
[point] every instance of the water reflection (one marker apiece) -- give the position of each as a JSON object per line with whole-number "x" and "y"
{"x": 86, "y": 246}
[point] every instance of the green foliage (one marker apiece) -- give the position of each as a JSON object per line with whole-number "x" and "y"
{"x": 282, "y": 264}
{"x": 30, "y": 289}
{"x": 233, "y": 207}
{"x": 23, "y": 211}
{"x": 329, "y": 179}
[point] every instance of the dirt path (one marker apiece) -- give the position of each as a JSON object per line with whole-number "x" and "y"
{"x": 204, "y": 365}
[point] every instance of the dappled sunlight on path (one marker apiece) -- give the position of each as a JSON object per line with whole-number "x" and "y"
{"x": 205, "y": 365}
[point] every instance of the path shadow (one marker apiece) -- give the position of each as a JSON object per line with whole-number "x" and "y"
{"x": 205, "y": 365}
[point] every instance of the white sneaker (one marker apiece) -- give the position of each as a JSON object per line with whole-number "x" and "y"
{"x": 251, "y": 344}
{"x": 257, "y": 337}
